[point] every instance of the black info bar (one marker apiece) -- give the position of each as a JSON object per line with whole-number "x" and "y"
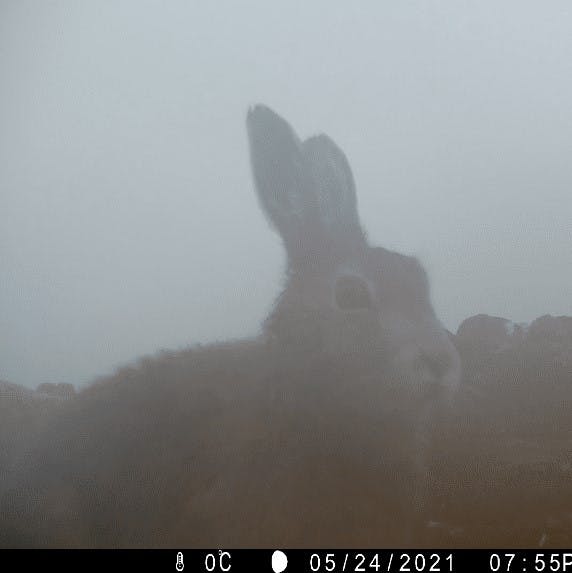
{"x": 290, "y": 560}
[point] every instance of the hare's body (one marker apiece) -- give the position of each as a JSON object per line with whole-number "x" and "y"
{"x": 313, "y": 434}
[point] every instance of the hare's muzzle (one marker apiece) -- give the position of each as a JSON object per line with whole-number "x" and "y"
{"x": 431, "y": 362}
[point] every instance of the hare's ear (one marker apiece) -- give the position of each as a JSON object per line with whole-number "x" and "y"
{"x": 333, "y": 185}
{"x": 281, "y": 176}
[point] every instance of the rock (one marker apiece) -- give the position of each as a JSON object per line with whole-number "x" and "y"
{"x": 551, "y": 328}
{"x": 488, "y": 334}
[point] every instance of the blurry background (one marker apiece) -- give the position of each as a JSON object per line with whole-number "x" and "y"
{"x": 128, "y": 221}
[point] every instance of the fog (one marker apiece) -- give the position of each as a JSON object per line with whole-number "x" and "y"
{"x": 128, "y": 219}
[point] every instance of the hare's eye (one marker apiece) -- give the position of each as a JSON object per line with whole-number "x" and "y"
{"x": 352, "y": 293}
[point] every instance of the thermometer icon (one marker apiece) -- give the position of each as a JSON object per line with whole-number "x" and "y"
{"x": 180, "y": 565}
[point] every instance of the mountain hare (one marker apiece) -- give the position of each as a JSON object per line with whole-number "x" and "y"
{"x": 316, "y": 433}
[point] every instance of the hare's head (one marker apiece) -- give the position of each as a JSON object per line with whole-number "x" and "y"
{"x": 342, "y": 297}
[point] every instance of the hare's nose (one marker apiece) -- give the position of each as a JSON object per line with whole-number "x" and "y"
{"x": 432, "y": 359}
{"x": 437, "y": 358}
{"x": 437, "y": 363}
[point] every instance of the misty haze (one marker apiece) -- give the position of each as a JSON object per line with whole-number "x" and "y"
{"x": 248, "y": 249}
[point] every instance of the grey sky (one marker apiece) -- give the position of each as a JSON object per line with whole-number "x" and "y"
{"x": 128, "y": 222}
